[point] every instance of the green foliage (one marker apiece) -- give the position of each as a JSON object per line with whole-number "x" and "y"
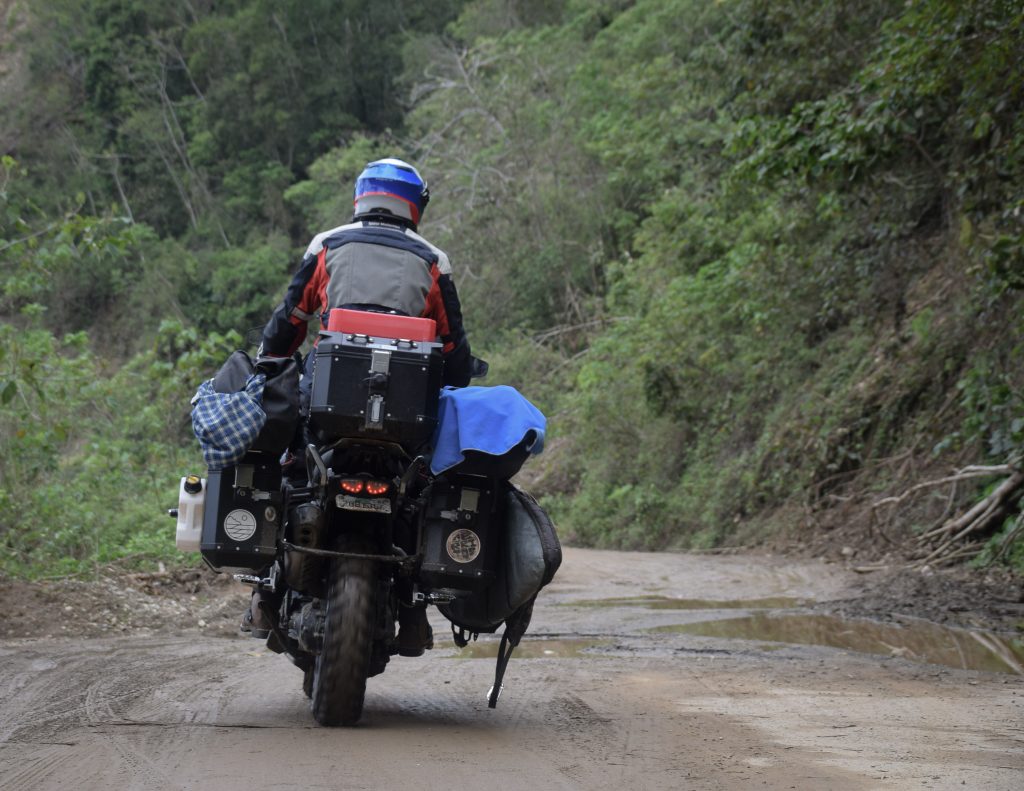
{"x": 82, "y": 270}
{"x": 196, "y": 116}
{"x": 993, "y": 404}
{"x": 324, "y": 200}
{"x": 520, "y": 203}
{"x": 776, "y": 180}
{"x": 1005, "y": 546}
{"x": 90, "y": 459}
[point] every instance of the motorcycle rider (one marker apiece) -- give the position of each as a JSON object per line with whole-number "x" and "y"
{"x": 375, "y": 262}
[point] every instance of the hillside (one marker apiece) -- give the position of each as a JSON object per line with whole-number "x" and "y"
{"x": 761, "y": 263}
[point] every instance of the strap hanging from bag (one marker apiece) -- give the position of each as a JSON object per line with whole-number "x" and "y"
{"x": 515, "y": 627}
{"x": 504, "y": 654}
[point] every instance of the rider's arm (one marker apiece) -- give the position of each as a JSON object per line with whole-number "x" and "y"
{"x": 287, "y": 327}
{"x": 443, "y": 307}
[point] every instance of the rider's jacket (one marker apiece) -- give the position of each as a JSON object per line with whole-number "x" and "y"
{"x": 373, "y": 264}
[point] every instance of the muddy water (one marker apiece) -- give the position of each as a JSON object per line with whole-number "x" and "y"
{"x": 669, "y": 603}
{"x": 919, "y": 642}
{"x": 531, "y": 649}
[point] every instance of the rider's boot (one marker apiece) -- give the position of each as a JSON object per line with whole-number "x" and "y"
{"x": 414, "y": 633}
{"x": 255, "y": 620}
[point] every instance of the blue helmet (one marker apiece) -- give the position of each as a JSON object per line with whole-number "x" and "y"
{"x": 394, "y": 186}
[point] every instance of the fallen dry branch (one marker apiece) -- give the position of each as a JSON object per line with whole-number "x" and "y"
{"x": 982, "y": 512}
{"x": 948, "y": 554}
{"x": 959, "y": 475}
{"x": 985, "y": 514}
{"x": 942, "y": 524}
{"x": 871, "y": 568}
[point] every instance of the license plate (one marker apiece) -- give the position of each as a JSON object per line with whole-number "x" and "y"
{"x": 375, "y": 505}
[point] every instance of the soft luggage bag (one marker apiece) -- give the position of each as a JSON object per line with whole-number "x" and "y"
{"x": 280, "y": 395}
{"x": 491, "y": 465}
{"x": 531, "y": 554}
{"x": 487, "y": 431}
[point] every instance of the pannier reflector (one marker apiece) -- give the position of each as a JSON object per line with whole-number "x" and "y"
{"x": 382, "y": 325}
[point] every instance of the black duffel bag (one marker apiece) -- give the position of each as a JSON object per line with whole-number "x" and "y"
{"x": 531, "y": 554}
{"x": 280, "y": 395}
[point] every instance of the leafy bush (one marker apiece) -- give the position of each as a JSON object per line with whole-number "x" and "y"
{"x": 90, "y": 459}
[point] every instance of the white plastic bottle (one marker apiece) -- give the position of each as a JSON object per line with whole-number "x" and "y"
{"x": 191, "y": 499}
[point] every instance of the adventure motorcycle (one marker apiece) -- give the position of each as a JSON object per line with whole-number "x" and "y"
{"x": 368, "y": 532}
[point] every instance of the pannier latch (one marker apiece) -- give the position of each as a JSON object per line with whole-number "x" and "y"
{"x": 375, "y": 412}
{"x": 380, "y": 367}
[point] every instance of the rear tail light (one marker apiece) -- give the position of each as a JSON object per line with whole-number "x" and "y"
{"x": 363, "y": 486}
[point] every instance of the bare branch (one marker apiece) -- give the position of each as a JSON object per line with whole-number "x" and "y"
{"x": 997, "y": 497}
{"x": 964, "y": 474}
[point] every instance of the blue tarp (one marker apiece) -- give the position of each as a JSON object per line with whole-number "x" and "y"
{"x": 488, "y": 419}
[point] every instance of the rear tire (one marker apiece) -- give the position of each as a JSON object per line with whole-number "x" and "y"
{"x": 341, "y": 670}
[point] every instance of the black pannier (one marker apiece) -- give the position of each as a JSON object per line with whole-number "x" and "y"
{"x": 529, "y": 556}
{"x": 242, "y": 515}
{"x": 374, "y": 388}
{"x": 461, "y": 533}
{"x": 280, "y": 395}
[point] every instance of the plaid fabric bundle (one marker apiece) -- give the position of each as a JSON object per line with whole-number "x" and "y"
{"x": 227, "y": 424}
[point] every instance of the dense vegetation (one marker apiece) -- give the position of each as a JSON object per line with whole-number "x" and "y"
{"x": 760, "y": 261}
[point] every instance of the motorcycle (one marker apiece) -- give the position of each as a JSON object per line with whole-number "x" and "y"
{"x": 368, "y": 533}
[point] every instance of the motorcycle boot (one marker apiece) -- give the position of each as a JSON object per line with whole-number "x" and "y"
{"x": 255, "y": 619}
{"x": 414, "y": 633}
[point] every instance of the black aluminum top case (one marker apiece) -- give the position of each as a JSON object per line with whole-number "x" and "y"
{"x": 375, "y": 388}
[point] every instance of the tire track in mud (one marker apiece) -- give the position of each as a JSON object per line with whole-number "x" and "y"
{"x": 107, "y": 705}
{"x": 89, "y": 688}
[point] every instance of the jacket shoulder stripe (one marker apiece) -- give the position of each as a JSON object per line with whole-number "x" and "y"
{"x": 384, "y": 237}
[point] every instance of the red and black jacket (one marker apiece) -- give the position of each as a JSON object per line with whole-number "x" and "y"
{"x": 373, "y": 265}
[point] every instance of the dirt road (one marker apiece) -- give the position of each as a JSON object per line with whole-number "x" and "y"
{"x": 608, "y": 695}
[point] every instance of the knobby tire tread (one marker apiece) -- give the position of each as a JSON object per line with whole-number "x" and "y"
{"x": 339, "y": 683}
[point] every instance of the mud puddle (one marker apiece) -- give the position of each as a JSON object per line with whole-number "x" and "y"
{"x": 669, "y": 603}
{"x": 918, "y": 642}
{"x": 531, "y": 649}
